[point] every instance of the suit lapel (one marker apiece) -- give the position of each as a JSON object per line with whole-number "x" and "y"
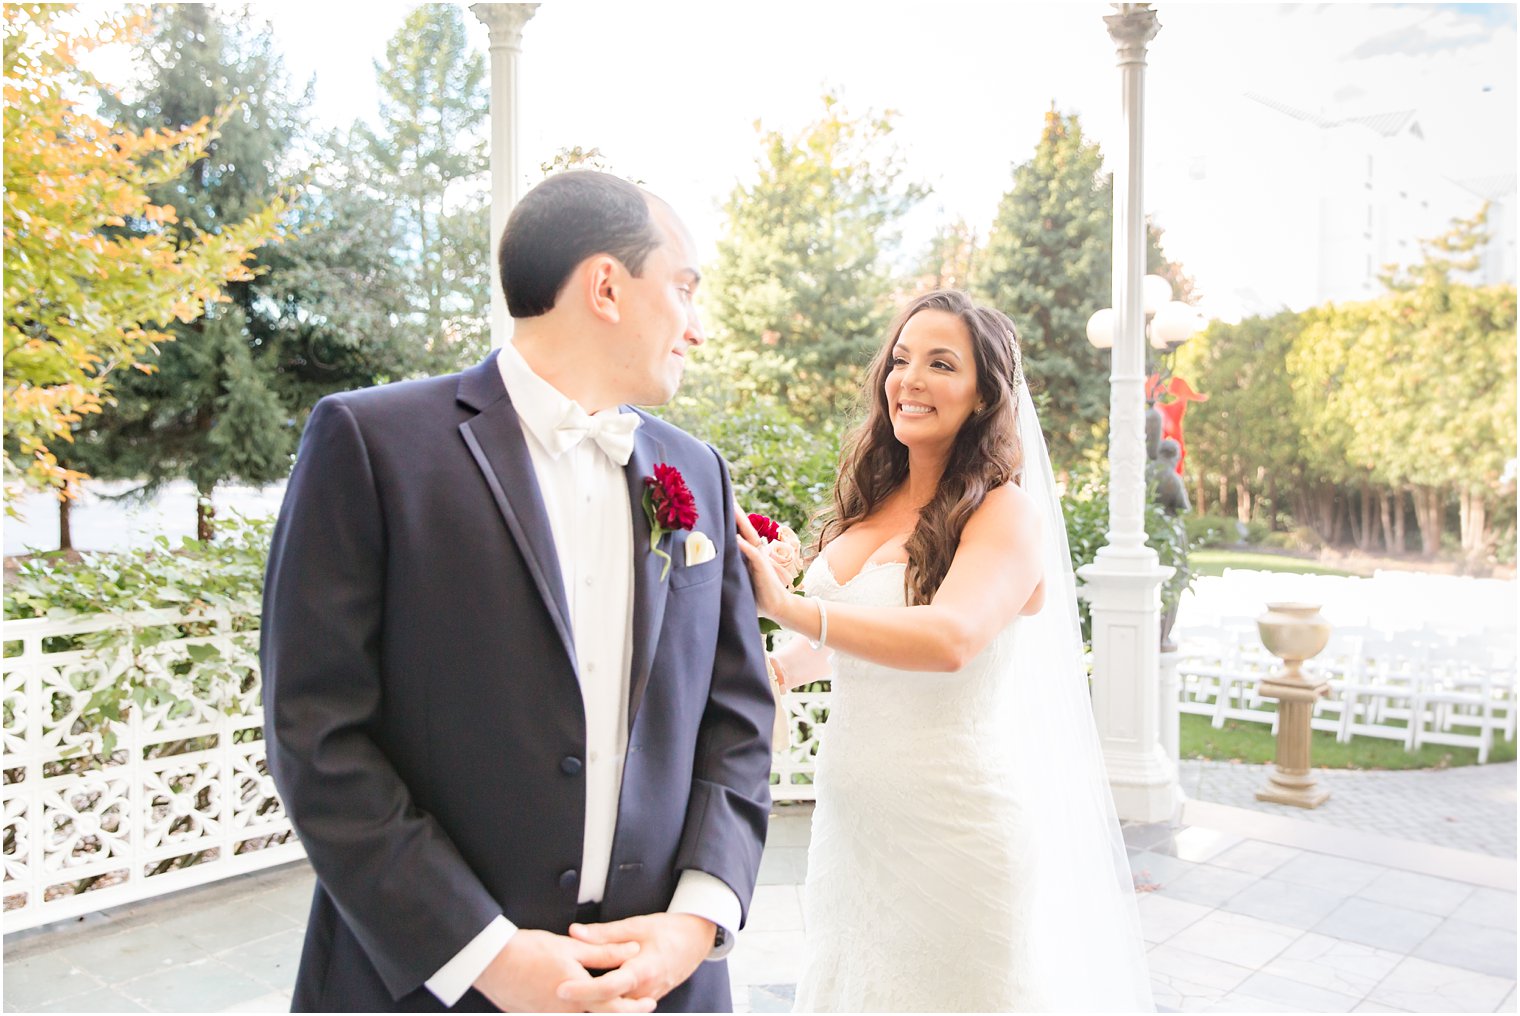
{"x": 648, "y": 588}
{"x": 496, "y": 442}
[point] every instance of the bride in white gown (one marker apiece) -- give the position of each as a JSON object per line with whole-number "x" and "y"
{"x": 965, "y": 854}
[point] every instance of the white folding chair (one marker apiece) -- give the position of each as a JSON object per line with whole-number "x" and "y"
{"x": 1467, "y": 691}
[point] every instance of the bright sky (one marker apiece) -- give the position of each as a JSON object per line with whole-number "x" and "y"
{"x": 670, "y": 91}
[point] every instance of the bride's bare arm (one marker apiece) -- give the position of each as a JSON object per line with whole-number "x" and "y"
{"x": 994, "y": 576}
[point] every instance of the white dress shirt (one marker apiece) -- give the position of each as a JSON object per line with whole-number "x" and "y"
{"x": 586, "y": 496}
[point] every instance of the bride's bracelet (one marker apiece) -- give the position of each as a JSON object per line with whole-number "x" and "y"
{"x": 823, "y": 626}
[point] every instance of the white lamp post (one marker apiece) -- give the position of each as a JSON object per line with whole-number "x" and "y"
{"x": 1168, "y": 323}
{"x": 1123, "y": 583}
{"x": 505, "y": 23}
{"x": 1174, "y": 324}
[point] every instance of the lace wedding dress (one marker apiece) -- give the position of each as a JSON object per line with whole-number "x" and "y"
{"x": 945, "y": 872}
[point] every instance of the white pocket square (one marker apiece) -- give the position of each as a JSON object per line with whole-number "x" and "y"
{"x": 699, "y": 549}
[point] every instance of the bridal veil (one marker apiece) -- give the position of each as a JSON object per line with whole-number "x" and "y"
{"x": 1083, "y": 920}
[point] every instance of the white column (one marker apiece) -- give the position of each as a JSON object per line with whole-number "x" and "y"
{"x": 505, "y": 22}
{"x": 1123, "y": 584}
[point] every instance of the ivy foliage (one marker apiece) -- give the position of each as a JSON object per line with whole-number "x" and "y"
{"x": 158, "y": 667}
{"x": 194, "y": 575}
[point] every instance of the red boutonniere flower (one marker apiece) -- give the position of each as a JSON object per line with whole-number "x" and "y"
{"x": 669, "y": 506}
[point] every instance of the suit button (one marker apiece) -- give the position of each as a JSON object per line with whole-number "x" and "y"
{"x": 570, "y": 765}
{"x": 569, "y": 880}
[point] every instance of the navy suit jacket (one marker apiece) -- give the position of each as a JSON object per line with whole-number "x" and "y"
{"x": 422, "y": 711}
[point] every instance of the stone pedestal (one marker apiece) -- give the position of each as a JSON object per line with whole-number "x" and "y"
{"x": 1124, "y": 596}
{"x": 1293, "y": 632}
{"x": 1289, "y": 781}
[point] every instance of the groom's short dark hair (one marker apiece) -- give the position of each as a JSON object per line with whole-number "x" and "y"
{"x": 561, "y": 222}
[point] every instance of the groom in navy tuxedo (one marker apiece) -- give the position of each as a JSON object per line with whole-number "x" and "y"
{"x": 529, "y": 764}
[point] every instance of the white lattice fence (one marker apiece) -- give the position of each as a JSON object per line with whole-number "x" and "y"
{"x": 793, "y": 766}
{"x": 184, "y": 797}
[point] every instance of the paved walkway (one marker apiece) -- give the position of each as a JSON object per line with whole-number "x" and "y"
{"x": 1468, "y": 808}
{"x": 1242, "y": 910}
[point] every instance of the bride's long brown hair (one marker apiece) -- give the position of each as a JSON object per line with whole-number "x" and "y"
{"x": 984, "y": 456}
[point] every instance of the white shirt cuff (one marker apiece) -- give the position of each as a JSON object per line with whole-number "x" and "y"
{"x": 708, "y": 896}
{"x": 459, "y": 973}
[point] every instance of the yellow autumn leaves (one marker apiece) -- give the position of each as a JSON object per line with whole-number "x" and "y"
{"x": 93, "y": 268}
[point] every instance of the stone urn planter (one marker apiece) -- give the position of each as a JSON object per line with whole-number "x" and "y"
{"x": 1293, "y": 632}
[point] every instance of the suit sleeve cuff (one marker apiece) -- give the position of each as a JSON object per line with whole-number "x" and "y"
{"x": 710, "y": 897}
{"x": 459, "y": 973}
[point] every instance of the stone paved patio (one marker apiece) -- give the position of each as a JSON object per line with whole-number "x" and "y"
{"x": 1242, "y": 910}
{"x": 1469, "y": 807}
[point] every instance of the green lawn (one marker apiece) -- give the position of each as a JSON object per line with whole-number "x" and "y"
{"x": 1213, "y": 561}
{"x": 1239, "y": 741}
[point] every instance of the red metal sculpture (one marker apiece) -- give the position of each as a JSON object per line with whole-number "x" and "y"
{"x": 1171, "y": 398}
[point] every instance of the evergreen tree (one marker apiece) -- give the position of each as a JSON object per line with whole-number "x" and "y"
{"x": 427, "y": 158}
{"x": 949, "y": 260}
{"x": 227, "y": 398}
{"x": 339, "y": 295}
{"x": 1049, "y": 266}
{"x": 801, "y": 294}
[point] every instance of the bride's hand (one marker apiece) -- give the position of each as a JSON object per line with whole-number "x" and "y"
{"x": 772, "y": 599}
{"x": 746, "y": 528}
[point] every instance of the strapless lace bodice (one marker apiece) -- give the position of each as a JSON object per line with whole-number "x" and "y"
{"x": 881, "y": 712}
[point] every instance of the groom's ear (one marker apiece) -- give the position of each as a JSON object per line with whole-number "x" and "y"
{"x": 602, "y": 277}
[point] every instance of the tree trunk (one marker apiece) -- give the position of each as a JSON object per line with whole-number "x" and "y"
{"x": 1354, "y": 517}
{"x": 205, "y": 513}
{"x": 1473, "y": 516}
{"x": 1400, "y": 541}
{"x": 1369, "y": 518}
{"x": 1321, "y": 514}
{"x": 1385, "y": 515}
{"x": 1427, "y": 515}
{"x": 1242, "y": 501}
{"x": 65, "y": 533}
{"x": 1339, "y": 513}
{"x": 1480, "y": 524}
{"x": 1437, "y": 511}
{"x": 1417, "y": 496}
{"x": 1224, "y": 492}
{"x": 1464, "y": 521}
{"x": 1272, "y": 513}
{"x": 1201, "y": 505}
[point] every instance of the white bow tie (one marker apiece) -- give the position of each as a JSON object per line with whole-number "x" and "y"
{"x": 613, "y": 432}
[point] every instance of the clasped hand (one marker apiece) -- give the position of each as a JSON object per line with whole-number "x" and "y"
{"x": 644, "y": 958}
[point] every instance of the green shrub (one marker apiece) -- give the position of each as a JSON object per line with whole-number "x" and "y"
{"x": 780, "y": 467}
{"x": 1223, "y": 531}
{"x": 1086, "y": 508}
{"x": 226, "y": 573}
{"x": 1210, "y": 530}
